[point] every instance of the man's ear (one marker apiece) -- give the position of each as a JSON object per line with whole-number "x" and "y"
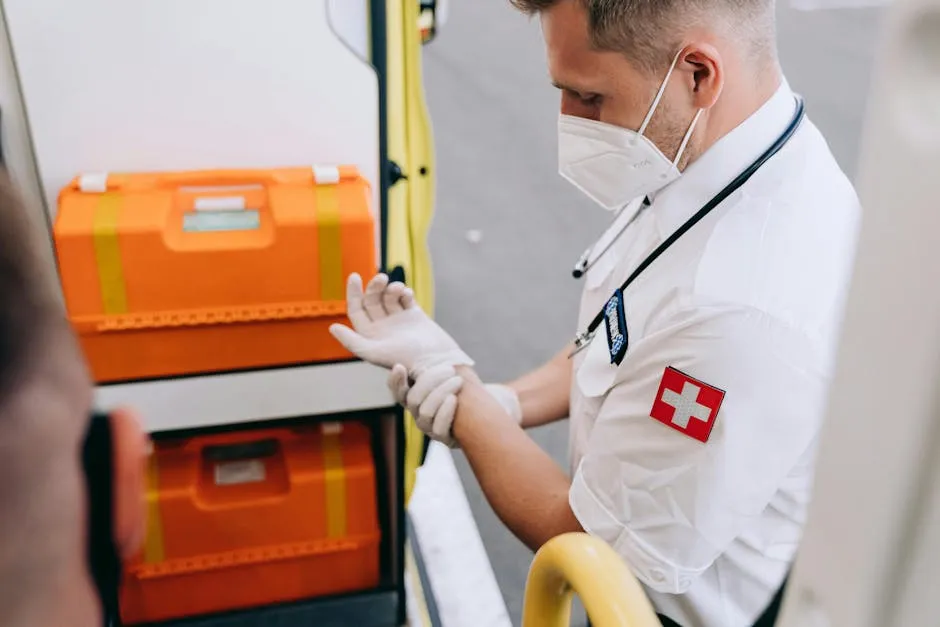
{"x": 131, "y": 449}
{"x": 705, "y": 69}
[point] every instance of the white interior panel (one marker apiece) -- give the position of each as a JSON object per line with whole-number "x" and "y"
{"x": 350, "y": 20}
{"x": 226, "y": 399}
{"x": 16, "y": 145}
{"x": 137, "y": 85}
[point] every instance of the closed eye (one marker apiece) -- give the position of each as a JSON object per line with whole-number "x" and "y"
{"x": 584, "y": 99}
{"x": 588, "y": 99}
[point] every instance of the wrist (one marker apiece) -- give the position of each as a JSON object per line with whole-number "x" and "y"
{"x": 469, "y": 374}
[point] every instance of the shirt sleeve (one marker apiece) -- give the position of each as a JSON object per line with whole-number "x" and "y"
{"x": 670, "y": 504}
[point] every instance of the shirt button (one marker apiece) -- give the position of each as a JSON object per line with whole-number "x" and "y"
{"x": 659, "y": 576}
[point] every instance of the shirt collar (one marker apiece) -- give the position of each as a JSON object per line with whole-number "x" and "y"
{"x": 723, "y": 161}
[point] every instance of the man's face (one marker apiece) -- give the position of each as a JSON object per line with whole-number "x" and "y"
{"x": 605, "y": 86}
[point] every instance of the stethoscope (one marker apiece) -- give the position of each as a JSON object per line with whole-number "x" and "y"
{"x": 585, "y": 262}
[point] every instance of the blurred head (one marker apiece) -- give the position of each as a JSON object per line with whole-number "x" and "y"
{"x": 609, "y": 58}
{"x": 45, "y": 404}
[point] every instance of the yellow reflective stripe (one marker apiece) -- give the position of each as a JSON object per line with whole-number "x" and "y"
{"x": 153, "y": 543}
{"x": 329, "y": 237}
{"x": 108, "y": 254}
{"x": 335, "y": 486}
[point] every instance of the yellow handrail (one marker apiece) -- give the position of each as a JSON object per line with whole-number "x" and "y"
{"x": 577, "y": 563}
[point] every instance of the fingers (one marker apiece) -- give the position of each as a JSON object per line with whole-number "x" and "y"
{"x": 441, "y": 428}
{"x": 398, "y": 383}
{"x": 408, "y": 298}
{"x": 354, "y": 343}
{"x": 354, "y": 304}
{"x": 372, "y": 301}
{"x": 432, "y": 400}
{"x": 427, "y": 381}
{"x": 424, "y": 386}
{"x": 392, "y": 298}
{"x": 378, "y": 300}
{"x": 430, "y": 408}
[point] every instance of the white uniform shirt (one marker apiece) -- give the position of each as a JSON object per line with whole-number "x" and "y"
{"x": 741, "y": 315}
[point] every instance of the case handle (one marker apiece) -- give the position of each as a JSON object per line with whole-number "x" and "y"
{"x": 240, "y": 451}
{"x": 322, "y": 175}
{"x": 221, "y": 178}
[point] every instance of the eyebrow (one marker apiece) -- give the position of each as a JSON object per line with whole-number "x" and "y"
{"x": 569, "y": 88}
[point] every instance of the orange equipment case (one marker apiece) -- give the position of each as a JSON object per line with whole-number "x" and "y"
{"x": 169, "y": 274}
{"x": 250, "y": 519}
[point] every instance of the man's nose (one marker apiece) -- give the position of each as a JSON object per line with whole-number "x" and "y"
{"x": 572, "y": 105}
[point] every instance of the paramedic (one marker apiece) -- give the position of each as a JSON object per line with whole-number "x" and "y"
{"x": 715, "y": 297}
{"x": 45, "y": 403}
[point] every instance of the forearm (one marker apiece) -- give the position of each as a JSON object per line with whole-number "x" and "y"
{"x": 524, "y": 486}
{"x": 544, "y": 394}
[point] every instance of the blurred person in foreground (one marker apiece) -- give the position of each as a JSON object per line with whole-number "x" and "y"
{"x": 71, "y": 484}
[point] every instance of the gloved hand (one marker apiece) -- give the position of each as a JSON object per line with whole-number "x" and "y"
{"x": 432, "y": 400}
{"x": 390, "y": 328}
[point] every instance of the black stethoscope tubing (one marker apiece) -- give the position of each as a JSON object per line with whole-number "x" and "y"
{"x": 585, "y": 263}
{"x": 584, "y": 338}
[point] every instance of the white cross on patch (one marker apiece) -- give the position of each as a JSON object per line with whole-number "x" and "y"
{"x": 697, "y": 400}
{"x": 686, "y": 405}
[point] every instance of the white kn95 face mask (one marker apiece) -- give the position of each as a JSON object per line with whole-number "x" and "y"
{"x": 614, "y": 165}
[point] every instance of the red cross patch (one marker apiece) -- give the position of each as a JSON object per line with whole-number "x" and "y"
{"x": 687, "y": 405}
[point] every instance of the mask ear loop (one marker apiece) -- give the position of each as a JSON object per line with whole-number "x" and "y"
{"x": 659, "y": 95}
{"x": 688, "y": 136}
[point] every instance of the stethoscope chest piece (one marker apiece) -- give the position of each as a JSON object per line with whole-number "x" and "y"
{"x": 585, "y": 262}
{"x": 582, "y": 265}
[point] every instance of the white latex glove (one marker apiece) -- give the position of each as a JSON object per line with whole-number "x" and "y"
{"x": 507, "y": 397}
{"x": 390, "y": 328}
{"x": 432, "y": 400}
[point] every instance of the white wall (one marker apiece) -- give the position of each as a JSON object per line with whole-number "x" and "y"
{"x": 869, "y": 554}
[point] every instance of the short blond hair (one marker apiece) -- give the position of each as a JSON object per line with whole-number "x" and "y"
{"x": 648, "y": 31}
